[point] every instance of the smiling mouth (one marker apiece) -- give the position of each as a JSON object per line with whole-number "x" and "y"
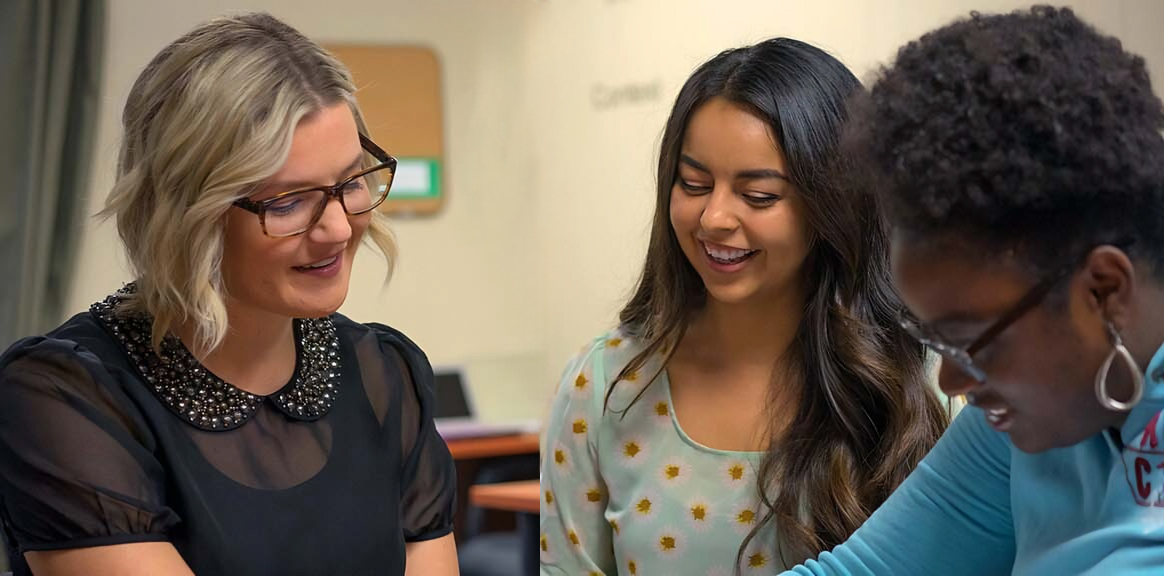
{"x": 726, "y": 255}
{"x": 321, "y": 264}
{"x": 996, "y": 415}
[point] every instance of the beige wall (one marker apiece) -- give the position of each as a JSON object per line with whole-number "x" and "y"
{"x": 553, "y": 114}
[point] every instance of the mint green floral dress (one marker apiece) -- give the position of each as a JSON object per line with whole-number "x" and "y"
{"x": 627, "y": 492}
{"x": 634, "y": 495}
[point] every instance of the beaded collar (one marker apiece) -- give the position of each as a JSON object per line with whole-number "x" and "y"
{"x": 204, "y": 400}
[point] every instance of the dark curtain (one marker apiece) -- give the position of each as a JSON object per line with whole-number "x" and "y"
{"x": 50, "y": 75}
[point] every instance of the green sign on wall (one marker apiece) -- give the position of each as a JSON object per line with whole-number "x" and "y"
{"x": 418, "y": 178}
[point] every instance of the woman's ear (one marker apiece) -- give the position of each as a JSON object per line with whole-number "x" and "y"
{"x": 1109, "y": 279}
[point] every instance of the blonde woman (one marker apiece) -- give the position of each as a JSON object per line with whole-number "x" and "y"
{"x": 216, "y": 415}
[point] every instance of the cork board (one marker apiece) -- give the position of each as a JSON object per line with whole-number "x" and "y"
{"x": 399, "y": 90}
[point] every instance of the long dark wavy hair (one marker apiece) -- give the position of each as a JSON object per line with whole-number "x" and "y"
{"x": 866, "y": 414}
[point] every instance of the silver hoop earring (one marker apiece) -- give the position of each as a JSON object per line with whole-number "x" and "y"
{"x": 1101, "y": 376}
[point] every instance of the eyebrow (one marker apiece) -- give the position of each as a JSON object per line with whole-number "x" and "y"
{"x": 755, "y": 174}
{"x": 297, "y": 185}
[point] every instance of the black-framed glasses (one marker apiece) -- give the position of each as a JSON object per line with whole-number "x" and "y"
{"x": 295, "y": 212}
{"x": 963, "y": 357}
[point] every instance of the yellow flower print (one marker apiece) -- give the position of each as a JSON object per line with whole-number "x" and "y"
{"x": 633, "y": 451}
{"x": 757, "y": 560}
{"x": 744, "y": 519}
{"x": 674, "y": 472}
{"x": 579, "y": 426}
{"x": 661, "y": 413}
{"x": 581, "y": 387}
{"x": 736, "y": 474}
{"x": 644, "y": 505}
{"x": 544, "y": 551}
{"x": 562, "y": 459}
{"x": 699, "y": 514}
{"x": 669, "y": 543}
{"x": 592, "y": 498}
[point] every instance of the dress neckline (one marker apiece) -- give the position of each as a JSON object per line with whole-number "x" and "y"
{"x": 205, "y": 401}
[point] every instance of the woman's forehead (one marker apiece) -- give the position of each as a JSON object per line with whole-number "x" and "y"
{"x": 943, "y": 278}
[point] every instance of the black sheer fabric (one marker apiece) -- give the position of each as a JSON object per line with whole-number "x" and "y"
{"x": 90, "y": 455}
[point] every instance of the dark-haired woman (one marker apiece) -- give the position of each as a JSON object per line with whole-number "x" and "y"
{"x": 759, "y": 397}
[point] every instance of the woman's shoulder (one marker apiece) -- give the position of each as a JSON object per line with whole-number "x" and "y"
{"x": 383, "y": 333}
{"x": 603, "y": 359}
{"x": 77, "y": 365}
{"x": 376, "y": 342}
{"x": 606, "y": 347}
{"x": 81, "y": 338}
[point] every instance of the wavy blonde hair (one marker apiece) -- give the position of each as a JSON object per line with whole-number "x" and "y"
{"x": 208, "y": 120}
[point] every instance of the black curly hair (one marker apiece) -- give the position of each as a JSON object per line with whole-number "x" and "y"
{"x": 1027, "y": 131}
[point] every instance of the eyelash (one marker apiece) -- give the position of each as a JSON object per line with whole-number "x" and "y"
{"x": 765, "y": 200}
{"x": 753, "y": 199}
{"x": 692, "y": 188}
{"x": 284, "y": 209}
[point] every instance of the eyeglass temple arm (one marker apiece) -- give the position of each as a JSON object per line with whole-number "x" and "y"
{"x": 1037, "y": 293}
{"x": 375, "y": 150}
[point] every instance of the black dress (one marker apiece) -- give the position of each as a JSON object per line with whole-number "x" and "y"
{"x": 103, "y": 442}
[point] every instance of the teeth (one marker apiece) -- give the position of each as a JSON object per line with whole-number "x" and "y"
{"x": 996, "y": 415}
{"x": 321, "y": 263}
{"x": 730, "y": 254}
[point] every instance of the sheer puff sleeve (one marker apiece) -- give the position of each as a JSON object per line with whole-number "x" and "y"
{"x": 428, "y": 481}
{"x": 77, "y": 462}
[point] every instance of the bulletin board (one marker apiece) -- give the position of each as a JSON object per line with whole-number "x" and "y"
{"x": 399, "y": 91}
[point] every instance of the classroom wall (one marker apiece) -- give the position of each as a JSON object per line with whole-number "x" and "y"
{"x": 553, "y": 112}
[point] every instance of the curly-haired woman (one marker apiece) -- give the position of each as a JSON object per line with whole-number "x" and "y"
{"x": 1022, "y": 163}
